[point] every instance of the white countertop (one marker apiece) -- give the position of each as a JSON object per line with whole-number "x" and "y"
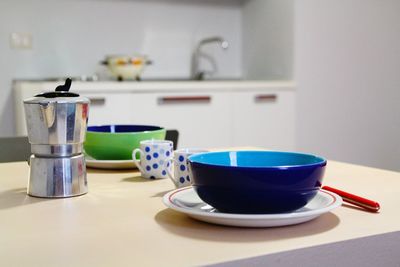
{"x": 161, "y": 86}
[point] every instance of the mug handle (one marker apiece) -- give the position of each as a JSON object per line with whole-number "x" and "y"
{"x": 137, "y": 163}
{"x": 170, "y": 160}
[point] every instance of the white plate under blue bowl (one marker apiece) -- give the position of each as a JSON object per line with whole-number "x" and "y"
{"x": 109, "y": 164}
{"x": 186, "y": 200}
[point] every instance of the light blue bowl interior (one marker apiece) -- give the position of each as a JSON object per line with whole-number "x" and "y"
{"x": 256, "y": 159}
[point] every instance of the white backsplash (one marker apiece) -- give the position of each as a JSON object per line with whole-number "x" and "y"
{"x": 71, "y": 37}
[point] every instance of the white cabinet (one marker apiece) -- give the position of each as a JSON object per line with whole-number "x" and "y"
{"x": 206, "y": 119}
{"x": 200, "y": 117}
{"x": 110, "y": 108}
{"x": 264, "y": 119}
{"x": 206, "y": 114}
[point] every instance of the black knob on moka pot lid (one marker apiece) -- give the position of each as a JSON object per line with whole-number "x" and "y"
{"x": 60, "y": 91}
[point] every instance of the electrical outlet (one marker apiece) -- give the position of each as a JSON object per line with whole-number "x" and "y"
{"x": 20, "y": 40}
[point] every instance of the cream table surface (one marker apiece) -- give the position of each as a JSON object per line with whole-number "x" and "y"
{"x": 123, "y": 222}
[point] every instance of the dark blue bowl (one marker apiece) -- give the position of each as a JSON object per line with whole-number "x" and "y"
{"x": 123, "y": 128}
{"x": 256, "y": 182}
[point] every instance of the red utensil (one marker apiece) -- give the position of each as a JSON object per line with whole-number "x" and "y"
{"x": 355, "y": 200}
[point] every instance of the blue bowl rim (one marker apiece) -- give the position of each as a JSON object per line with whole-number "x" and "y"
{"x": 155, "y": 128}
{"x": 322, "y": 161}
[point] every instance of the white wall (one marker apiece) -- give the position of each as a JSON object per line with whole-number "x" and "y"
{"x": 268, "y": 39}
{"x": 347, "y": 67}
{"x": 70, "y": 37}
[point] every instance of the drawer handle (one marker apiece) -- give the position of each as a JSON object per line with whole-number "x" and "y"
{"x": 97, "y": 101}
{"x": 184, "y": 99}
{"x": 265, "y": 98}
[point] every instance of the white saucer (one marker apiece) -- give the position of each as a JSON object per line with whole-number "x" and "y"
{"x": 110, "y": 164}
{"x": 186, "y": 200}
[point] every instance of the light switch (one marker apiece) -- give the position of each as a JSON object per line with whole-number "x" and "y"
{"x": 20, "y": 40}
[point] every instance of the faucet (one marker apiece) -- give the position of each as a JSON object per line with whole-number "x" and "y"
{"x": 196, "y": 73}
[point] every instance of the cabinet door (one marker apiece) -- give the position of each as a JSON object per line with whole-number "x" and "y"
{"x": 202, "y": 118}
{"x": 264, "y": 119}
{"x": 110, "y": 108}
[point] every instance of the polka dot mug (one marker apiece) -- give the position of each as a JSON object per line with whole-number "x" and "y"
{"x": 181, "y": 175}
{"x": 153, "y": 155}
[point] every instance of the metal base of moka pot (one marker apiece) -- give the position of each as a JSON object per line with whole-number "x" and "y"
{"x": 57, "y": 177}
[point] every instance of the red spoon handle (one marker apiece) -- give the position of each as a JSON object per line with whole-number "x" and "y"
{"x": 355, "y": 200}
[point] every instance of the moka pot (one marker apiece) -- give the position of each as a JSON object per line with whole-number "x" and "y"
{"x": 56, "y": 123}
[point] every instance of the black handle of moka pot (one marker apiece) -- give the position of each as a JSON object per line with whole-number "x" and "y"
{"x": 65, "y": 87}
{"x": 61, "y": 91}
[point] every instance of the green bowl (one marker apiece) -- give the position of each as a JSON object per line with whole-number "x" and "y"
{"x": 116, "y": 142}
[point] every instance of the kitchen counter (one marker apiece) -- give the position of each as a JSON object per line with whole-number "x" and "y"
{"x": 155, "y": 86}
{"x": 122, "y": 222}
{"x": 227, "y": 105}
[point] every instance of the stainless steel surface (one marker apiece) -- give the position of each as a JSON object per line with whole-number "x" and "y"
{"x": 56, "y": 123}
{"x": 57, "y": 150}
{"x": 196, "y": 73}
{"x": 57, "y": 177}
{"x": 189, "y": 79}
{"x": 55, "y": 120}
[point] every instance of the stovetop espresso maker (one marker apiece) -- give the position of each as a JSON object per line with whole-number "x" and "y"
{"x": 56, "y": 123}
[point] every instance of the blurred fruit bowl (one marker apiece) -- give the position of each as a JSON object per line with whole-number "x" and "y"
{"x": 126, "y": 67}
